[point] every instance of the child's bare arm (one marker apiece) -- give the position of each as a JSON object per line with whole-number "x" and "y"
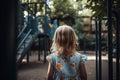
{"x": 50, "y": 72}
{"x": 83, "y": 73}
{"x": 82, "y": 70}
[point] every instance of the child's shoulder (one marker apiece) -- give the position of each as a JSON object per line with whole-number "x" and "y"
{"x": 77, "y": 53}
{"x": 51, "y": 56}
{"x": 80, "y": 55}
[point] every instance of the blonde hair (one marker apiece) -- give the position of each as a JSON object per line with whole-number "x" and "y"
{"x": 64, "y": 40}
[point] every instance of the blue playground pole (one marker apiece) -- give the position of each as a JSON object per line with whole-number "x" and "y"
{"x": 54, "y": 27}
{"x": 28, "y": 21}
{"x": 35, "y": 25}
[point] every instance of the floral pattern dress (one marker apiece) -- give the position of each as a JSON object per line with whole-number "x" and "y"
{"x": 66, "y": 68}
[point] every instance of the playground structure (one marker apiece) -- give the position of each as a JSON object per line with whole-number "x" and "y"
{"x": 28, "y": 30}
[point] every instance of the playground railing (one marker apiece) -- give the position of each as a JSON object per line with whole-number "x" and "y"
{"x": 23, "y": 41}
{"x": 21, "y": 32}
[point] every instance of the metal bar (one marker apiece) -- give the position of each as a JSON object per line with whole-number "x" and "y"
{"x": 118, "y": 51}
{"x": 110, "y": 64}
{"x": 35, "y": 8}
{"x": 99, "y": 49}
{"x": 39, "y": 49}
{"x": 45, "y": 48}
{"x": 97, "y": 70}
{"x": 45, "y": 43}
{"x": 28, "y": 52}
{"x": 117, "y": 46}
{"x": 24, "y": 39}
{"x": 21, "y": 32}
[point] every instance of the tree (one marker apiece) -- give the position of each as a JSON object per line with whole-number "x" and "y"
{"x": 63, "y": 8}
{"x": 99, "y": 7}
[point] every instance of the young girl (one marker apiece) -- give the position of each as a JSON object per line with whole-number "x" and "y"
{"x": 65, "y": 62}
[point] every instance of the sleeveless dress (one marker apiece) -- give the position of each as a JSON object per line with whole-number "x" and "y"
{"x": 66, "y": 68}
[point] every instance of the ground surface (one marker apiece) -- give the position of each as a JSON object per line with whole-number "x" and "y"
{"x": 36, "y": 70}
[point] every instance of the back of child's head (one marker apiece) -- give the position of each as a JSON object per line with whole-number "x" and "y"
{"x": 65, "y": 39}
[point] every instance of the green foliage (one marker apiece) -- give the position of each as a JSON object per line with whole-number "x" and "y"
{"x": 78, "y": 27}
{"x": 99, "y": 7}
{"x": 61, "y": 23}
{"x": 64, "y": 8}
